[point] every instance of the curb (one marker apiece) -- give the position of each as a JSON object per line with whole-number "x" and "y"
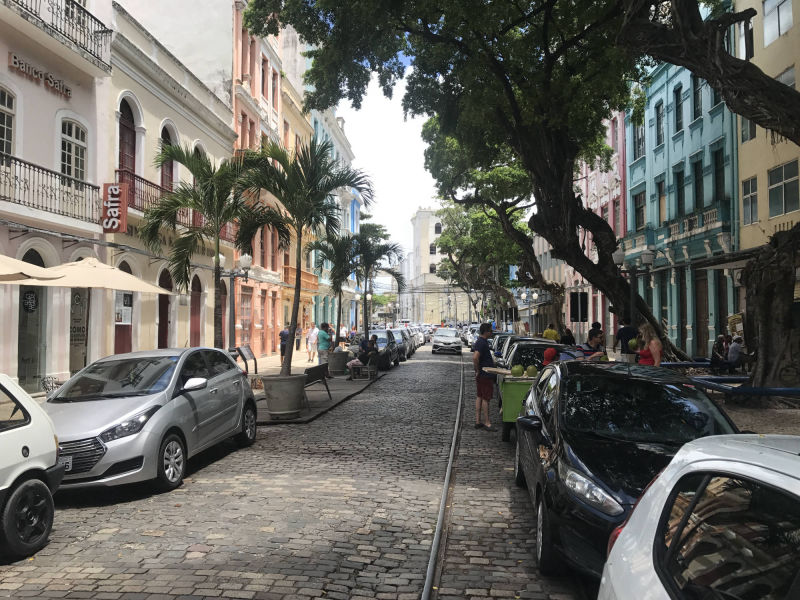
{"x": 305, "y": 420}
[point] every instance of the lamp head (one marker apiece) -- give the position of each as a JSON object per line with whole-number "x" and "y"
{"x": 245, "y": 261}
{"x": 648, "y": 256}
{"x": 523, "y": 295}
{"x": 221, "y": 258}
{"x": 618, "y": 256}
{"x": 369, "y": 297}
{"x": 535, "y": 295}
{"x": 357, "y": 297}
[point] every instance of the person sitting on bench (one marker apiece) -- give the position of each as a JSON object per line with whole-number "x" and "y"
{"x": 364, "y": 356}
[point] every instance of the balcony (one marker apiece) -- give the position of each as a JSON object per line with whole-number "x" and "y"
{"x": 59, "y": 23}
{"x": 30, "y": 185}
{"x": 308, "y": 281}
{"x": 701, "y": 220}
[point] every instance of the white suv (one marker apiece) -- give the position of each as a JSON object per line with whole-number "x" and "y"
{"x": 29, "y": 472}
{"x": 721, "y": 522}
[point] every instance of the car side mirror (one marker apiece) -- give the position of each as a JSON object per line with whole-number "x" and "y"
{"x": 194, "y": 384}
{"x": 530, "y": 423}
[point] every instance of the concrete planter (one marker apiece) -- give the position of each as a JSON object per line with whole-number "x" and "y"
{"x": 337, "y": 362}
{"x": 284, "y": 395}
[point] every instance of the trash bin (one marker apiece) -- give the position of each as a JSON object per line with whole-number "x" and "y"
{"x": 513, "y": 390}
{"x": 337, "y": 362}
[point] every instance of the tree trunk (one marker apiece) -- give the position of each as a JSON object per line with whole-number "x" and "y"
{"x": 769, "y": 328}
{"x": 217, "y": 297}
{"x": 286, "y": 367}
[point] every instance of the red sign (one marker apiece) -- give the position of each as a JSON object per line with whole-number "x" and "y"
{"x": 115, "y": 208}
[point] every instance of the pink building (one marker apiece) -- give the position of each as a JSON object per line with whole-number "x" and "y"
{"x": 604, "y": 193}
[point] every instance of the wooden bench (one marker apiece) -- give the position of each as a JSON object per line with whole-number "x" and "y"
{"x": 368, "y": 371}
{"x": 318, "y": 373}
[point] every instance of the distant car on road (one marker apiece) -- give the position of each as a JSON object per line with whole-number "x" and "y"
{"x": 446, "y": 340}
{"x": 140, "y": 416}
{"x": 30, "y": 472}
{"x": 591, "y": 437}
{"x": 404, "y": 347}
{"x": 722, "y": 521}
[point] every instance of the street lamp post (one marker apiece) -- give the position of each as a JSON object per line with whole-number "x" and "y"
{"x": 367, "y": 299}
{"x": 357, "y": 297}
{"x": 647, "y": 256}
{"x": 245, "y": 262}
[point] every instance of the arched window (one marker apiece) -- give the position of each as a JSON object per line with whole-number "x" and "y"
{"x": 167, "y": 169}
{"x": 6, "y": 121}
{"x": 73, "y": 150}
{"x": 433, "y": 249}
{"x": 437, "y": 228}
{"x": 432, "y": 268}
{"x": 127, "y": 138}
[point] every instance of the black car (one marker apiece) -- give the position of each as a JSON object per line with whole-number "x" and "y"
{"x": 403, "y": 344}
{"x": 591, "y": 437}
{"x": 388, "y": 353}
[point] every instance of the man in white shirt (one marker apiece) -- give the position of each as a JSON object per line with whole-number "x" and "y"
{"x": 343, "y": 336}
{"x": 311, "y": 342}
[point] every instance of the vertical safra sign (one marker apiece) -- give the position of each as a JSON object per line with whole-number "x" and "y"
{"x": 115, "y": 208}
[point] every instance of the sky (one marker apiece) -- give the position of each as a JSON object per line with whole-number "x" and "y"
{"x": 390, "y": 150}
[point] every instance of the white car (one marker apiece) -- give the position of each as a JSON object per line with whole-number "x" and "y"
{"x": 30, "y": 472}
{"x": 721, "y": 522}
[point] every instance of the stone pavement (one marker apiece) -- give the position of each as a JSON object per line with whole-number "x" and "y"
{"x": 343, "y": 507}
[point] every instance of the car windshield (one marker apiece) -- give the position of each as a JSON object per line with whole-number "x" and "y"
{"x": 641, "y": 411}
{"x": 526, "y": 355}
{"x": 446, "y": 333}
{"x": 383, "y": 338}
{"x": 398, "y": 335}
{"x": 119, "y": 378}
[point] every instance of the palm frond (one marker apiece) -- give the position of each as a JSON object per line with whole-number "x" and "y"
{"x": 180, "y": 257}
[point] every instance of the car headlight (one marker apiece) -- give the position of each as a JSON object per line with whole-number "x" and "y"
{"x": 129, "y": 426}
{"x": 591, "y": 493}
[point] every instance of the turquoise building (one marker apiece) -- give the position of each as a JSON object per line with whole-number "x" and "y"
{"x": 681, "y": 203}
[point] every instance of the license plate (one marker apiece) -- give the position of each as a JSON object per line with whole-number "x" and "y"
{"x": 66, "y": 460}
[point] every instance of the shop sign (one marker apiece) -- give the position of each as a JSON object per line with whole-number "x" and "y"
{"x": 115, "y": 208}
{"x": 123, "y": 308}
{"x": 30, "y": 301}
{"x": 39, "y": 75}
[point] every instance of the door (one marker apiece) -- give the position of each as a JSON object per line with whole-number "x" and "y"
{"x": 164, "y": 301}
{"x": 226, "y": 379}
{"x": 127, "y": 138}
{"x": 682, "y": 308}
{"x": 198, "y": 407}
{"x": 534, "y": 446}
{"x": 31, "y": 339}
{"x": 78, "y": 328}
{"x": 722, "y": 301}
{"x": 14, "y": 433}
{"x": 123, "y": 317}
{"x": 194, "y": 312}
{"x": 223, "y": 300}
{"x": 701, "y": 311}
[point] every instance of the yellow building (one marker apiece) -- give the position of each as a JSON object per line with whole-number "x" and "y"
{"x": 769, "y": 200}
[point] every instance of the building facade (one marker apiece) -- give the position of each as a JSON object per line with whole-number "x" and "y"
{"x": 682, "y": 200}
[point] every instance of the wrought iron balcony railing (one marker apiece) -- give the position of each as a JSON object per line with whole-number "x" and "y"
{"x": 75, "y": 23}
{"x": 27, "y": 184}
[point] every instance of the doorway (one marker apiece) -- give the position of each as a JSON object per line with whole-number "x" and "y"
{"x": 194, "y": 312}
{"x": 701, "y": 311}
{"x": 164, "y": 303}
{"x": 31, "y": 341}
{"x": 123, "y": 317}
{"x": 78, "y": 328}
{"x": 223, "y": 300}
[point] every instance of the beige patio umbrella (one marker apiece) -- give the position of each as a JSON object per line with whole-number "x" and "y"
{"x": 91, "y": 273}
{"x": 18, "y": 271}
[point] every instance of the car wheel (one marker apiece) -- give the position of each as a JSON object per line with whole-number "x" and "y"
{"x": 247, "y": 436}
{"x": 507, "y": 427}
{"x": 545, "y": 553}
{"x": 27, "y": 519}
{"x": 519, "y": 474}
{"x": 170, "y": 463}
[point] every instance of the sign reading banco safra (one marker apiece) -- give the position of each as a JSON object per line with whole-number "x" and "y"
{"x": 27, "y": 69}
{"x": 115, "y": 208}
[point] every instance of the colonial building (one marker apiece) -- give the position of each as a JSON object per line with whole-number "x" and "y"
{"x": 52, "y": 164}
{"x": 682, "y": 197}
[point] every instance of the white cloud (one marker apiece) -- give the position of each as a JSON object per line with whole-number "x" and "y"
{"x": 390, "y": 150}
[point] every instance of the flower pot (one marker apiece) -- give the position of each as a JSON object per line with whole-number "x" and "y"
{"x": 337, "y": 362}
{"x": 284, "y": 395}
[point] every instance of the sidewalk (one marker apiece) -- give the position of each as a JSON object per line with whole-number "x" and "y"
{"x": 318, "y": 401}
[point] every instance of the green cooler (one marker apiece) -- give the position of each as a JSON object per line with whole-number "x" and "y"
{"x": 513, "y": 391}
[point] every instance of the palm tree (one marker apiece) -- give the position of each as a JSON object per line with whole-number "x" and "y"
{"x": 340, "y": 251}
{"x": 374, "y": 251}
{"x": 303, "y": 183}
{"x": 213, "y": 195}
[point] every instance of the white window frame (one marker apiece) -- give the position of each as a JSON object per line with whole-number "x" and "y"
{"x": 750, "y": 201}
{"x": 74, "y": 142}
{"x": 777, "y": 19}
{"x": 781, "y": 184}
{"x": 9, "y": 113}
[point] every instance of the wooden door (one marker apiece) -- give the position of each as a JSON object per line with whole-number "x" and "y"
{"x": 194, "y": 312}
{"x": 165, "y": 281}
{"x": 701, "y": 311}
{"x": 127, "y": 138}
{"x": 682, "y": 308}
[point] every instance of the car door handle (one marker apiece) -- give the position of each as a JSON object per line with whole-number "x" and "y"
{"x": 213, "y": 391}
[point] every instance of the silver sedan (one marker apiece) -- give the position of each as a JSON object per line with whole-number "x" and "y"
{"x": 140, "y": 416}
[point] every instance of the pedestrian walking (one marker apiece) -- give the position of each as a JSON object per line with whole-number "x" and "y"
{"x": 550, "y": 333}
{"x": 650, "y": 354}
{"x": 323, "y": 343}
{"x": 624, "y": 335}
{"x": 311, "y": 341}
{"x": 568, "y": 339}
{"x": 284, "y": 337}
{"x": 482, "y": 357}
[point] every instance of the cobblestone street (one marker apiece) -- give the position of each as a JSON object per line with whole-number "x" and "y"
{"x": 344, "y": 507}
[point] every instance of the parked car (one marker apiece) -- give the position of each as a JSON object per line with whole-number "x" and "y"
{"x": 722, "y": 521}
{"x": 411, "y": 339}
{"x": 419, "y": 335}
{"x": 30, "y": 472}
{"x": 507, "y": 342}
{"x": 404, "y": 347}
{"x": 388, "y": 353}
{"x": 591, "y": 437}
{"x": 140, "y": 416}
{"x": 446, "y": 339}
{"x": 497, "y": 340}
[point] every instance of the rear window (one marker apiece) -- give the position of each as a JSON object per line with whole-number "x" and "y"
{"x": 12, "y": 413}
{"x": 119, "y": 378}
{"x": 637, "y": 410}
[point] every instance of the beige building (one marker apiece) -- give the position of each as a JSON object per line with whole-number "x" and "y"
{"x": 428, "y": 298}
{"x": 769, "y": 200}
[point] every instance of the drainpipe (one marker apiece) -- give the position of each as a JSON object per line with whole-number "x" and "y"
{"x": 735, "y": 185}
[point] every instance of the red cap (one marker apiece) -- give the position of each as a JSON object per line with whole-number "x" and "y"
{"x": 549, "y": 356}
